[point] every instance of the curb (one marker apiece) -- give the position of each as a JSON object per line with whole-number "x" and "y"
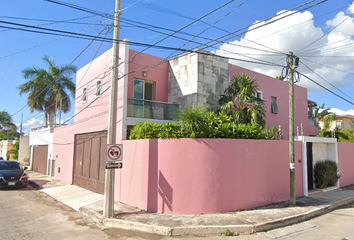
{"x": 213, "y": 230}
{"x": 35, "y": 185}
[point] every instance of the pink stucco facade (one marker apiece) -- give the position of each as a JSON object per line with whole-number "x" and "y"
{"x": 271, "y": 87}
{"x": 184, "y": 175}
{"x": 157, "y": 74}
{"x": 346, "y": 163}
{"x": 193, "y": 176}
{"x": 92, "y": 115}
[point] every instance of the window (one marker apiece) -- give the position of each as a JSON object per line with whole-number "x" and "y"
{"x": 352, "y": 123}
{"x": 98, "y": 88}
{"x": 274, "y": 105}
{"x": 259, "y": 95}
{"x": 256, "y": 94}
{"x": 339, "y": 125}
{"x": 84, "y": 94}
{"x": 144, "y": 90}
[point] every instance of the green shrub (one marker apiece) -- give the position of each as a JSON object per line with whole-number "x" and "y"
{"x": 197, "y": 122}
{"x": 341, "y": 135}
{"x": 325, "y": 174}
{"x": 194, "y": 119}
{"x": 229, "y": 233}
{"x": 145, "y": 130}
{"x": 272, "y": 133}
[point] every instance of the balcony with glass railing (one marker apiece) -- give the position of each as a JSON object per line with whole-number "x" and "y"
{"x": 138, "y": 108}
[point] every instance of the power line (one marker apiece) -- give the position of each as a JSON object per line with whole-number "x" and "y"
{"x": 214, "y": 23}
{"x": 339, "y": 70}
{"x": 44, "y": 89}
{"x": 89, "y": 37}
{"x": 189, "y": 50}
{"x": 324, "y": 34}
{"x": 326, "y": 81}
{"x": 50, "y": 22}
{"x": 83, "y": 9}
{"x": 326, "y": 88}
{"x": 232, "y": 34}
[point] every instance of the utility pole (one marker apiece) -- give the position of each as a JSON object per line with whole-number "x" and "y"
{"x": 291, "y": 129}
{"x": 21, "y": 124}
{"x": 108, "y": 210}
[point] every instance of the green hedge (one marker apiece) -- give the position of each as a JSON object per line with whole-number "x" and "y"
{"x": 341, "y": 135}
{"x": 215, "y": 129}
{"x": 325, "y": 174}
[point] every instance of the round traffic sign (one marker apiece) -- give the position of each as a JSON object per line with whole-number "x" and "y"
{"x": 114, "y": 153}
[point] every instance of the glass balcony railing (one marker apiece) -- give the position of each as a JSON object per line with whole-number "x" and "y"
{"x": 313, "y": 121}
{"x": 148, "y": 109}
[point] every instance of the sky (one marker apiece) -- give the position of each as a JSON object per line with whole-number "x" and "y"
{"x": 263, "y": 33}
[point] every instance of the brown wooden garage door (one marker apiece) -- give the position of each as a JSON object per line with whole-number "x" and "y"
{"x": 40, "y": 156}
{"x": 89, "y": 165}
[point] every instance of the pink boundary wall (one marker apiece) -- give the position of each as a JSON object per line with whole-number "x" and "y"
{"x": 346, "y": 163}
{"x": 194, "y": 176}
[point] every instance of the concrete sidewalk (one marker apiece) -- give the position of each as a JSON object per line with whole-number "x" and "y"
{"x": 243, "y": 222}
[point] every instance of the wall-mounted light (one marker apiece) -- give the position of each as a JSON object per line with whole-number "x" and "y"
{"x": 145, "y": 73}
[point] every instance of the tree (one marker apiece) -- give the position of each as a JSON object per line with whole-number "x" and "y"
{"x": 321, "y": 111}
{"x": 6, "y": 121}
{"x": 8, "y": 129}
{"x": 13, "y": 151}
{"x": 241, "y": 100}
{"x": 328, "y": 120}
{"x": 47, "y": 88}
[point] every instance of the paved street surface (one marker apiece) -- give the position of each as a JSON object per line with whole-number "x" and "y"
{"x": 31, "y": 214}
{"x": 335, "y": 225}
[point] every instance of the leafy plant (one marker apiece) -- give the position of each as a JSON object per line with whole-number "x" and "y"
{"x": 325, "y": 174}
{"x": 45, "y": 88}
{"x": 197, "y": 122}
{"x": 327, "y": 120}
{"x": 341, "y": 135}
{"x": 320, "y": 111}
{"x": 229, "y": 233}
{"x": 194, "y": 119}
{"x": 13, "y": 151}
{"x": 272, "y": 133}
{"x": 241, "y": 100}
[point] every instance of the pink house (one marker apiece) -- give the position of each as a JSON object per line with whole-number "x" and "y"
{"x": 161, "y": 175}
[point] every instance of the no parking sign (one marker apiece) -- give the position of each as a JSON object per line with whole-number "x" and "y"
{"x": 114, "y": 156}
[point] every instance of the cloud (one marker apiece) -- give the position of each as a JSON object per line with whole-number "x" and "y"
{"x": 328, "y": 52}
{"x": 30, "y": 124}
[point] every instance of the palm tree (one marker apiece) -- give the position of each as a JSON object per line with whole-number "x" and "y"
{"x": 13, "y": 151}
{"x": 321, "y": 114}
{"x": 6, "y": 122}
{"x": 8, "y": 130}
{"x": 242, "y": 101}
{"x": 46, "y": 88}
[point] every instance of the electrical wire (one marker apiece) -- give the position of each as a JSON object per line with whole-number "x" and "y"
{"x": 352, "y": 103}
{"x": 50, "y": 22}
{"x": 87, "y": 10}
{"x": 44, "y": 89}
{"x": 254, "y": 27}
{"x": 326, "y": 80}
{"x": 324, "y": 34}
{"x": 339, "y": 70}
{"x": 259, "y": 63}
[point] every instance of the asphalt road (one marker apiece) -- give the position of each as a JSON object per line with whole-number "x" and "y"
{"x": 31, "y": 214}
{"x": 335, "y": 225}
